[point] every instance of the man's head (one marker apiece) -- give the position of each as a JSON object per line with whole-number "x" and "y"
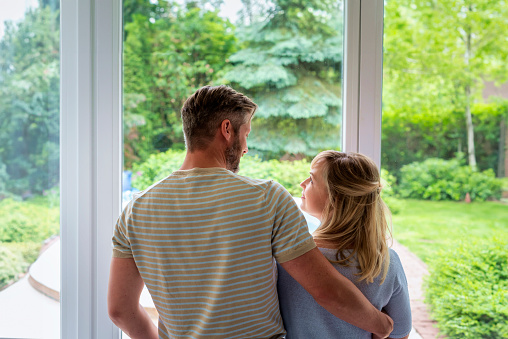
{"x": 205, "y": 110}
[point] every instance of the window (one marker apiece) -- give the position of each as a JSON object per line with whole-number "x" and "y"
{"x": 91, "y": 132}
{"x": 443, "y": 145}
{"x": 289, "y": 61}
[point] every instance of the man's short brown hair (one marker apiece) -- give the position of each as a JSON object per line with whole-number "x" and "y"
{"x": 204, "y": 111}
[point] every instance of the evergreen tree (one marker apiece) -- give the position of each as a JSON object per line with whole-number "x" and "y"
{"x": 291, "y": 67}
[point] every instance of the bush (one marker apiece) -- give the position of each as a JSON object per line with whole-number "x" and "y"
{"x": 438, "y": 179}
{"x": 28, "y": 221}
{"x": 287, "y": 173}
{"x": 468, "y": 290}
{"x": 11, "y": 265}
{"x": 388, "y": 193}
{"x": 155, "y": 168}
{"x": 29, "y": 251}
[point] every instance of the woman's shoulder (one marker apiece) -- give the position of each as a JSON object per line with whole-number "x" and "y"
{"x": 395, "y": 260}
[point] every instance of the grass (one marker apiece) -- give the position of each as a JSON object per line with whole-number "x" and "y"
{"x": 428, "y": 226}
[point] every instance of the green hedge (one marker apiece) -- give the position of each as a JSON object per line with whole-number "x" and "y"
{"x": 160, "y": 165}
{"x": 439, "y": 179}
{"x": 288, "y": 173}
{"x": 155, "y": 168}
{"x": 28, "y": 221}
{"x": 468, "y": 289}
{"x": 11, "y": 265}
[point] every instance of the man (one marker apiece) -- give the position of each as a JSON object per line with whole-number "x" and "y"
{"x": 204, "y": 240}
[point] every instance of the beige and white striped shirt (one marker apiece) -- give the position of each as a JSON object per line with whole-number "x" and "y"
{"x": 204, "y": 241}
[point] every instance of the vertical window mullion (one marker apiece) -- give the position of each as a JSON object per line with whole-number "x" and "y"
{"x": 371, "y": 73}
{"x": 90, "y": 161}
{"x": 351, "y": 81}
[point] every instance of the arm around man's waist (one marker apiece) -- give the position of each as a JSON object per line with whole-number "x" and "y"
{"x": 336, "y": 293}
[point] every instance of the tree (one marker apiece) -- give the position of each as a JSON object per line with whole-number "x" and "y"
{"x": 29, "y": 102}
{"x": 439, "y": 52}
{"x": 165, "y": 60}
{"x": 291, "y": 67}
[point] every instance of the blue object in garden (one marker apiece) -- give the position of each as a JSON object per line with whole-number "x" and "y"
{"x": 126, "y": 181}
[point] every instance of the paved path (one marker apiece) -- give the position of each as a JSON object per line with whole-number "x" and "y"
{"x": 415, "y": 270}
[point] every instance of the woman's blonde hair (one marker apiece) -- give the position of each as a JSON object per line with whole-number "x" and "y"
{"x": 354, "y": 217}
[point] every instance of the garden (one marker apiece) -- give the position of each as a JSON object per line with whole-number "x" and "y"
{"x": 444, "y": 140}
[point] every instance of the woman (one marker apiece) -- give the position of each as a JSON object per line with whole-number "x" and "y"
{"x": 343, "y": 192}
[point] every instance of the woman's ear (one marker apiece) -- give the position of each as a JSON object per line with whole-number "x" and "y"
{"x": 226, "y": 129}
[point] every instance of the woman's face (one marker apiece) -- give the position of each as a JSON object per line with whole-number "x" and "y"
{"x": 314, "y": 194}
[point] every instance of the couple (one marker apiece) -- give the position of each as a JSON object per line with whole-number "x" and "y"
{"x": 207, "y": 242}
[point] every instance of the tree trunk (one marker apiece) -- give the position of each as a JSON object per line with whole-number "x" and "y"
{"x": 469, "y": 119}
{"x": 501, "y": 163}
{"x": 470, "y": 130}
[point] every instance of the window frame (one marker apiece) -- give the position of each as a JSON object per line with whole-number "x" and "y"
{"x": 91, "y": 141}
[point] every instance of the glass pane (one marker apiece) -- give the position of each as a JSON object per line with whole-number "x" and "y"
{"x": 444, "y": 151}
{"x": 29, "y": 169}
{"x": 285, "y": 55}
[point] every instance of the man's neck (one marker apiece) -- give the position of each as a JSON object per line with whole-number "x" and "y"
{"x": 203, "y": 159}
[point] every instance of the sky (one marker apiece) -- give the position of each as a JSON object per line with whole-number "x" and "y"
{"x": 13, "y": 10}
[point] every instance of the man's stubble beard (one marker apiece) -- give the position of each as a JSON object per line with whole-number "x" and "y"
{"x": 233, "y": 155}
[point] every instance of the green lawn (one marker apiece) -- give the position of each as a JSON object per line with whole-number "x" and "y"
{"x": 428, "y": 226}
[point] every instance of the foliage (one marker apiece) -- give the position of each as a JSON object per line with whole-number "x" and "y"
{"x": 438, "y": 179}
{"x": 155, "y": 168}
{"x": 468, "y": 289}
{"x": 158, "y": 166}
{"x": 287, "y": 173}
{"x": 29, "y": 250}
{"x": 29, "y": 102}
{"x": 11, "y": 265}
{"x": 388, "y": 182}
{"x": 438, "y": 55}
{"x": 291, "y": 66}
{"x": 167, "y": 56}
{"x": 426, "y": 227}
{"x": 409, "y": 136}
{"x": 25, "y": 221}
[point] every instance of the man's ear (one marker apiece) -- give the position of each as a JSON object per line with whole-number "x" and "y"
{"x": 226, "y": 129}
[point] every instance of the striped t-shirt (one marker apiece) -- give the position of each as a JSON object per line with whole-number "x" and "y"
{"x": 204, "y": 241}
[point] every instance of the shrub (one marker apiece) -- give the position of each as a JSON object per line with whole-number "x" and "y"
{"x": 287, "y": 173}
{"x": 155, "y": 168}
{"x": 29, "y": 251}
{"x": 160, "y": 165}
{"x": 439, "y": 179}
{"x": 468, "y": 290}
{"x": 388, "y": 192}
{"x": 11, "y": 265}
{"x": 25, "y": 221}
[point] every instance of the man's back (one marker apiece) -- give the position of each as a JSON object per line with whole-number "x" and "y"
{"x": 203, "y": 241}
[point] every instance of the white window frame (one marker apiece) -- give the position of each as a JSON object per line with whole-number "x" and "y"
{"x": 363, "y": 77}
{"x": 91, "y": 141}
{"x": 91, "y": 159}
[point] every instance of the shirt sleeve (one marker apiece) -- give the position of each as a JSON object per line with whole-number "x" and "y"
{"x": 398, "y": 307}
{"x": 290, "y": 233}
{"x": 121, "y": 243}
